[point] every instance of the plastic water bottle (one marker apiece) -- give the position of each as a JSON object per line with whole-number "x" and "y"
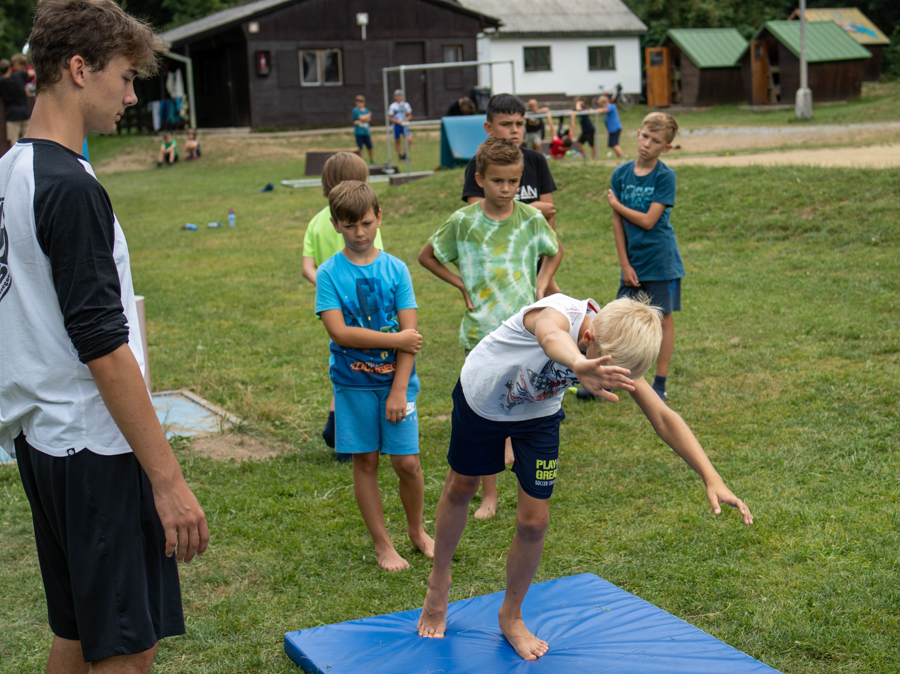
{"x": 231, "y": 219}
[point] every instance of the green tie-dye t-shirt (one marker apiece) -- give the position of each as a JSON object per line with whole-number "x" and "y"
{"x": 497, "y": 261}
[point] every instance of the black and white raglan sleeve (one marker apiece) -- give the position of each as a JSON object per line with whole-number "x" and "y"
{"x": 76, "y": 230}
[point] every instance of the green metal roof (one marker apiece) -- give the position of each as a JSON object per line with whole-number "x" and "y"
{"x": 825, "y": 40}
{"x": 710, "y": 47}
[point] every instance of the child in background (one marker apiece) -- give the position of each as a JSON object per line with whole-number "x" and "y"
{"x": 613, "y": 125}
{"x": 168, "y": 151}
{"x": 192, "y": 145}
{"x": 366, "y": 301}
{"x": 562, "y": 140}
{"x": 362, "y": 118}
{"x": 495, "y": 243}
{"x": 400, "y": 112}
{"x": 534, "y": 127}
{"x": 587, "y": 127}
{"x": 321, "y": 241}
{"x": 642, "y": 196}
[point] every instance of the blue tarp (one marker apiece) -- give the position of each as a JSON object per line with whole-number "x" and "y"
{"x": 591, "y": 625}
{"x": 460, "y": 138}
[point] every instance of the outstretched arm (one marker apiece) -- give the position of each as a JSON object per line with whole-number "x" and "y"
{"x": 643, "y": 220}
{"x": 552, "y": 331}
{"x": 428, "y": 260}
{"x": 408, "y": 340}
{"x": 675, "y": 432}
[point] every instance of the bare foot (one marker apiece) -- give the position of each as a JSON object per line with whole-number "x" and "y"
{"x": 488, "y": 507}
{"x": 433, "y": 620}
{"x": 389, "y": 560}
{"x": 423, "y": 542}
{"x": 526, "y": 644}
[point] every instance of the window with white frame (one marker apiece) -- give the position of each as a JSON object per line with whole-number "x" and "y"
{"x": 321, "y": 67}
{"x": 601, "y": 58}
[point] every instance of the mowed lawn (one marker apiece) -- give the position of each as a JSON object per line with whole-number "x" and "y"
{"x": 786, "y": 365}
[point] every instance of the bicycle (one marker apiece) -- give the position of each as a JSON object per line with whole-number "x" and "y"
{"x": 622, "y": 100}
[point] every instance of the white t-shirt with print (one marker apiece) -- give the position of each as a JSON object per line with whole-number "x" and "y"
{"x": 399, "y": 112}
{"x": 508, "y": 377}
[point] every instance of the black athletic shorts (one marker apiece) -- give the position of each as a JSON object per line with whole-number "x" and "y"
{"x": 477, "y": 446}
{"x": 586, "y": 137}
{"x": 102, "y": 551}
{"x": 613, "y": 138}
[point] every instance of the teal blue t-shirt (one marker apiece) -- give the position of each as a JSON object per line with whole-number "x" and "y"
{"x": 361, "y": 129}
{"x": 652, "y": 252}
{"x": 369, "y": 296}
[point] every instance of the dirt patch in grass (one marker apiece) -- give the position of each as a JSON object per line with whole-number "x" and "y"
{"x": 877, "y": 156}
{"x": 238, "y": 446}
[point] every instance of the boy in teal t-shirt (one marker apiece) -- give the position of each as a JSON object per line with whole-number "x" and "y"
{"x": 495, "y": 244}
{"x": 362, "y": 118}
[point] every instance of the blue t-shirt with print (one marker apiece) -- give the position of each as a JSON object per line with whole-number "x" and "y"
{"x": 369, "y": 296}
{"x": 652, "y": 252}
{"x": 612, "y": 118}
{"x": 361, "y": 129}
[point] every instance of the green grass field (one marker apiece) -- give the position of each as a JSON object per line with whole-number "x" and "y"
{"x": 786, "y": 366}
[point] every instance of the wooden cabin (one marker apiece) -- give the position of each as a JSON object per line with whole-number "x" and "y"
{"x": 771, "y": 65}
{"x": 698, "y": 66}
{"x": 300, "y": 63}
{"x": 860, "y": 28}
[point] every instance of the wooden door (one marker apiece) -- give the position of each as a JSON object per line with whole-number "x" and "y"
{"x": 759, "y": 73}
{"x": 412, "y": 53}
{"x": 659, "y": 76}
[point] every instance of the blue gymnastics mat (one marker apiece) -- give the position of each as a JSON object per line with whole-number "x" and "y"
{"x": 592, "y": 626}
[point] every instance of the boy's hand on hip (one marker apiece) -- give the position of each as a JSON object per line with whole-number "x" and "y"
{"x": 629, "y": 275}
{"x": 183, "y": 521}
{"x": 595, "y": 376}
{"x": 718, "y": 493}
{"x": 395, "y": 407}
{"x": 410, "y": 341}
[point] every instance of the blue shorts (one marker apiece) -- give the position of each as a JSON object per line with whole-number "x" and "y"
{"x": 663, "y": 294}
{"x": 362, "y": 427}
{"x": 363, "y": 139}
{"x": 613, "y": 139}
{"x": 477, "y": 446}
{"x": 399, "y": 130}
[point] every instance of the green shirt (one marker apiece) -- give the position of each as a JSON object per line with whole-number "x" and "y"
{"x": 497, "y": 261}
{"x": 321, "y": 241}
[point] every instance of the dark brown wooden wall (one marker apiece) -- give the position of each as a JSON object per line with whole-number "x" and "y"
{"x": 710, "y": 86}
{"x": 873, "y": 65}
{"x": 829, "y": 80}
{"x": 279, "y": 99}
{"x": 690, "y": 81}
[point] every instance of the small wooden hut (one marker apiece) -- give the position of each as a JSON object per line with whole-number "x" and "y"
{"x": 702, "y": 66}
{"x": 771, "y": 66}
{"x": 860, "y": 28}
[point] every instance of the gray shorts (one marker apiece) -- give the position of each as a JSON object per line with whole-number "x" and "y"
{"x": 533, "y": 138}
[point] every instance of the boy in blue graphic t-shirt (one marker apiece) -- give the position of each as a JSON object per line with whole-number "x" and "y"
{"x": 366, "y": 301}
{"x": 642, "y": 196}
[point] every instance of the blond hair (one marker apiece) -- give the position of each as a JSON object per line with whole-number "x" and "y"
{"x": 602, "y": 101}
{"x": 497, "y": 152}
{"x": 661, "y": 122}
{"x": 96, "y": 30}
{"x": 343, "y": 166}
{"x": 350, "y": 200}
{"x": 630, "y": 331}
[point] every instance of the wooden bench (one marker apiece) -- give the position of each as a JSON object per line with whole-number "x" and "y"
{"x": 315, "y": 159}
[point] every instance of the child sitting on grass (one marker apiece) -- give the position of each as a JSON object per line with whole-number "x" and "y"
{"x": 512, "y": 385}
{"x": 192, "y": 145}
{"x": 321, "y": 241}
{"x": 366, "y": 301}
{"x": 495, "y": 243}
{"x": 168, "y": 151}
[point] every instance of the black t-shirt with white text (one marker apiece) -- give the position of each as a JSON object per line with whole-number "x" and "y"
{"x": 536, "y": 179}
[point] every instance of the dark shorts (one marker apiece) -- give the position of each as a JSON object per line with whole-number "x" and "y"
{"x": 101, "y": 548}
{"x": 363, "y": 140}
{"x": 477, "y": 446}
{"x": 613, "y": 138}
{"x": 587, "y": 137}
{"x": 400, "y": 130}
{"x": 663, "y": 294}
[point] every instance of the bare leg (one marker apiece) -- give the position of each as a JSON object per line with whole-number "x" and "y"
{"x": 397, "y": 145}
{"x": 412, "y": 495}
{"x": 452, "y": 512}
{"x": 593, "y": 151}
{"x": 618, "y": 151}
{"x": 66, "y": 658}
{"x": 139, "y": 663}
{"x": 532, "y": 517}
{"x": 371, "y": 156}
{"x": 667, "y": 346}
{"x": 489, "y": 498}
{"x": 368, "y": 498}
{"x": 331, "y": 408}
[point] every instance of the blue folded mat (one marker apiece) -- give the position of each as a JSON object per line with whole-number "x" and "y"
{"x": 591, "y": 625}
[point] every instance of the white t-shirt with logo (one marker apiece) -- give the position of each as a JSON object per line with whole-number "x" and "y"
{"x": 399, "y": 112}
{"x": 508, "y": 377}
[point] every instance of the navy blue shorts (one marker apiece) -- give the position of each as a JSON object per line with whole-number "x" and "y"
{"x": 613, "y": 138}
{"x": 663, "y": 294}
{"x": 363, "y": 139}
{"x": 400, "y": 131}
{"x": 477, "y": 446}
